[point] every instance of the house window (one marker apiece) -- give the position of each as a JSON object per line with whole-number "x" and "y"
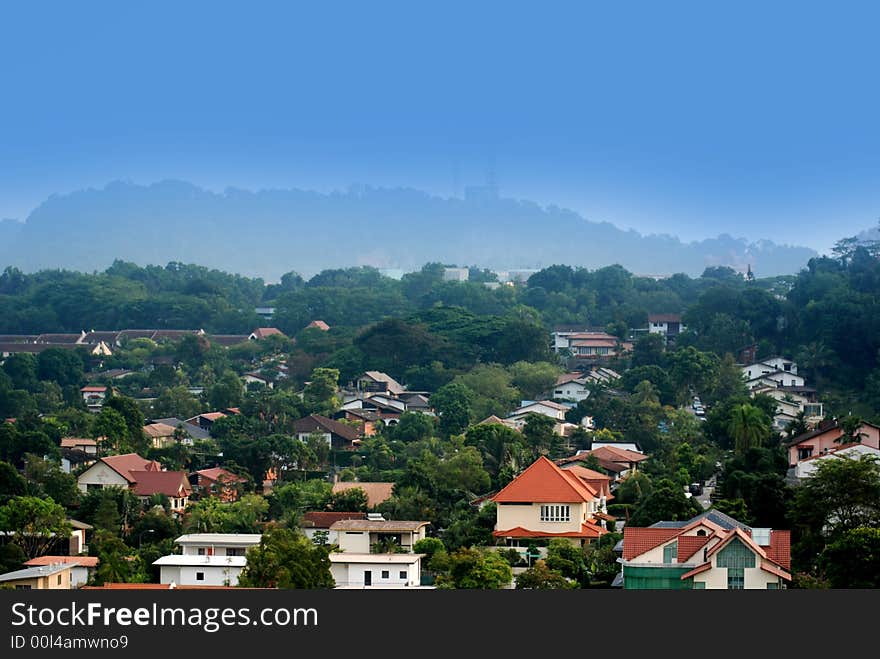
{"x": 201, "y": 551}
{"x": 699, "y": 585}
{"x": 773, "y": 586}
{"x": 804, "y": 453}
{"x": 556, "y": 513}
{"x": 403, "y": 574}
{"x": 735, "y": 578}
{"x": 235, "y": 551}
{"x": 736, "y": 555}
{"x": 200, "y": 576}
{"x": 59, "y": 579}
{"x": 602, "y": 351}
{"x": 386, "y": 574}
{"x": 670, "y": 552}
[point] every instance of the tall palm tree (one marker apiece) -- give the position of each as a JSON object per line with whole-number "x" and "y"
{"x": 748, "y": 426}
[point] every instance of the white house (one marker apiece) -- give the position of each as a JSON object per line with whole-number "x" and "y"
{"x": 773, "y": 369}
{"x": 808, "y": 466}
{"x": 775, "y": 378}
{"x": 352, "y": 570}
{"x": 256, "y": 378}
{"x": 186, "y": 570}
{"x": 665, "y": 324}
{"x": 217, "y": 544}
{"x": 207, "y": 559}
{"x": 571, "y": 386}
{"x": 456, "y": 274}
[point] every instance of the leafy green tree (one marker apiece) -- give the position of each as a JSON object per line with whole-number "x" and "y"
{"x": 853, "y": 560}
{"x": 114, "y": 559}
{"x": 287, "y": 559}
{"x": 319, "y": 396}
{"x": 411, "y": 427}
{"x": 349, "y": 500}
{"x": 568, "y": 560}
{"x": 648, "y": 350}
{"x": 666, "y": 502}
{"x": 11, "y": 482}
{"x": 475, "y": 568}
{"x": 35, "y": 523}
{"x": 452, "y": 403}
{"x": 61, "y": 366}
{"x": 226, "y": 392}
{"x": 842, "y": 495}
{"x": 534, "y": 380}
{"x": 503, "y": 450}
{"x": 749, "y": 427}
{"x": 542, "y": 577}
{"x": 22, "y": 371}
{"x": 177, "y": 402}
{"x": 49, "y": 479}
{"x": 111, "y": 431}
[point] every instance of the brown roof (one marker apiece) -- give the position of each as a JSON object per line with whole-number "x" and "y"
{"x": 158, "y": 430}
{"x": 73, "y": 442}
{"x": 83, "y": 561}
{"x": 316, "y": 422}
{"x": 594, "y": 343}
{"x": 169, "y": 483}
{"x": 93, "y": 388}
{"x": 664, "y": 318}
{"x": 161, "y": 586}
{"x": 128, "y": 462}
{"x": 376, "y": 492}
{"x": 543, "y": 481}
{"x": 263, "y": 332}
{"x": 228, "y": 339}
{"x": 568, "y": 377}
{"x": 617, "y": 454}
{"x": 318, "y": 324}
{"x": 323, "y": 520}
{"x": 382, "y": 526}
{"x": 221, "y": 474}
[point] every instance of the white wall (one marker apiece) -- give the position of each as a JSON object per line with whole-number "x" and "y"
{"x": 185, "y": 575}
{"x": 355, "y": 542}
{"x": 353, "y": 574}
{"x": 100, "y": 474}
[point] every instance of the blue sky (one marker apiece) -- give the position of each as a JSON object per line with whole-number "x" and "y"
{"x": 755, "y": 119}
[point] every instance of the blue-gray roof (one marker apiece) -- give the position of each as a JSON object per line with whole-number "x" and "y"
{"x": 34, "y": 572}
{"x": 192, "y": 430}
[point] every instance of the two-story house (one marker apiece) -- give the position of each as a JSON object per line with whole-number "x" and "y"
{"x": 710, "y": 551}
{"x": 546, "y": 502}
{"x": 827, "y": 437}
{"x": 207, "y": 559}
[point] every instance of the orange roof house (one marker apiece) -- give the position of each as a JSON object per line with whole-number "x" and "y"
{"x": 220, "y": 482}
{"x": 545, "y": 501}
{"x": 263, "y": 332}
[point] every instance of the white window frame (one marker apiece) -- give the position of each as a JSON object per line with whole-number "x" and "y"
{"x": 555, "y": 512}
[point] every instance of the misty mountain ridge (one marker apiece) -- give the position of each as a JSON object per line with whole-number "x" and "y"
{"x": 267, "y": 233}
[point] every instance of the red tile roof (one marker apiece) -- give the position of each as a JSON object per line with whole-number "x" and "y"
{"x": 221, "y": 474}
{"x": 688, "y": 545}
{"x": 169, "y": 483}
{"x": 84, "y": 561}
{"x": 587, "y": 531}
{"x": 323, "y": 520}
{"x": 772, "y": 568}
{"x": 93, "y": 388}
{"x": 318, "y": 324}
{"x": 599, "y": 483}
{"x": 617, "y": 454}
{"x": 779, "y": 550}
{"x": 128, "y": 462}
{"x": 543, "y": 481}
{"x": 638, "y": 540}
{"x": 263, "y": 332}
{"x": 697, "y": 570}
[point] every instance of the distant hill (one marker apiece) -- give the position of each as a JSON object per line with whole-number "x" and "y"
{"x": 270, "y": 232}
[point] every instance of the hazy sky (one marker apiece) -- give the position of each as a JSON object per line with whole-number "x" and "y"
{"x": 758, "y": 119}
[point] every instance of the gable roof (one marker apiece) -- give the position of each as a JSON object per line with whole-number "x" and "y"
{"x": 377, "y": 492}
{"x": 169, "y": 483}
{"x": 565, "y": 378}
{"x": 392, "y": 385}
{"x": 191, "y": 429}
{"x": 220, "y": 474}
{"x": 263, "y": 332}
{"x": 319, "y": 519}
{"x": 381, "y": 525}
{"x": 822, "y": 429}
{"x": 586, "y": 531}
{"x": 318, "y": 324}
{"x": 126, "y": 463}
{"x": 543, "y": 481}
{"x": 615, "y": 454}
{"x": 688, "y": 545}
{"x": 157, "y": 430}
{"x": 638, "y": 540}
{"x": 316, "y": 422}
